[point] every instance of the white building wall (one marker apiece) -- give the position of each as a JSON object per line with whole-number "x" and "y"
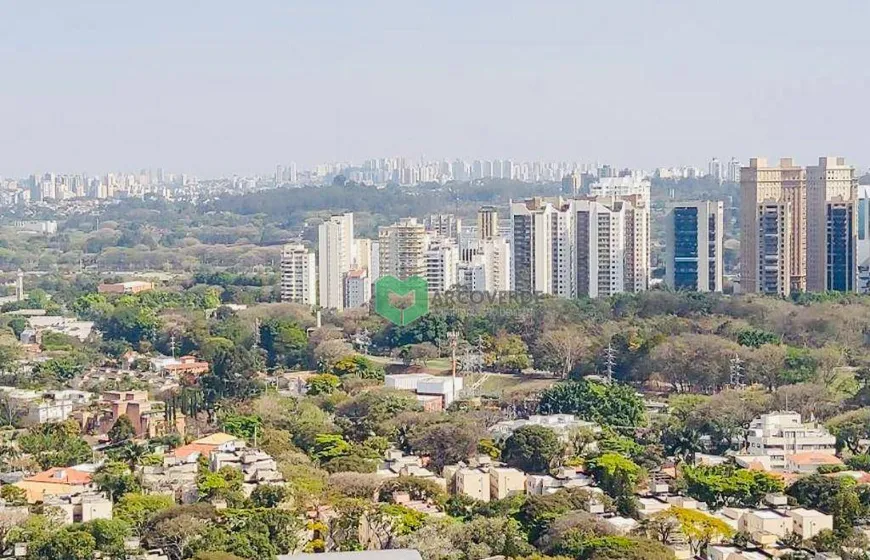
{"x": 336, "y": 255}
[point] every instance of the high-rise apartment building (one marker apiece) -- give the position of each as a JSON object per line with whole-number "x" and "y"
{"x": 773, "y": 259}
{"x": 693, "y": 246}
{"x": 862, "y": 245}
{"x": 714, "y": 169}
{"x": 444, "y": 225}
{"x": 732, "y": 174}
{"x": 298, "y": 275}
{"x": 402, "y": 249}
{"x": 636, "y": 191}
{"x": 543, "y": 246}
{"x": 487, "y": 222}
{"x": 442, "y": 265}
{"x": 335, "y": 258}
{"x": 600, "y": 246}
{"x": 571, "y": 184}
{"x": 832, "y": 192}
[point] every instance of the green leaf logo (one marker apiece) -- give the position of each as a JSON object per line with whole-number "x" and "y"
{"x": 401, "y": 302}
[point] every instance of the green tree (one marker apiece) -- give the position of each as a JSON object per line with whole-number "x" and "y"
{"x": 532, "y": 448}
{"x": 852, "y": 430}
{"x": 137, "y": 509}
{"x": 836, "y": 496}
{"x": 323, "y": 384}
{"x": 619, "y": 477}
{"x": 330, "y": 446}
{"x": 285, "y": 342}
{"x": 615, "y": 404}
{"x": 448, "y": 442}
{"x": 728, "y": 485}
{"x": 115, "y": 479}
{"x": 246, "y": 426}
{"x": 699, "y": 528}
{"x": 268, "y": 495}
{"x": 13, "y": 495}
{"x": 56, "y": 445}
{"x": 66, "y": 544}
{"x": 122, "y": 429}
{"x": 358, "y": 366}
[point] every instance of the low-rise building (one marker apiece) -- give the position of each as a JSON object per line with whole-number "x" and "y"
{"x": 148, "y": 417}
{"x": 447, "y": 388}
{"x": 809, "y": 522}
{"x": 38, "y": 407}
{"x": 505, "y": 482}
{"x": 130, "y": 287}
{"x": 780, "y": 434}
{"x": 258, "y": 467}
{"x": 54, "y": 323}
{"x": 562, "y": 424}
{"x": 759, "y": 521}
{"x": 81, "y": 508}
{"x": 57, "y": 481}
{"x": 185, "y": 365}
{"x": 809, "y": 462}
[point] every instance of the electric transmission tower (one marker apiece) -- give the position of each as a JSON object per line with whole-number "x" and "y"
{"x": 609, "y": 361}
{"x": 736, "y": 371}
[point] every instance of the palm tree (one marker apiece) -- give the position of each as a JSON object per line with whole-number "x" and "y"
{"x": 131, "y": 453}
{"x": 684, "y": 444}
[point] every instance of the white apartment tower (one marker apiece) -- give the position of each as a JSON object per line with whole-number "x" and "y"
{"x": 693, "y": 246}
{"x": 601, "y": 246}
{"x": 298, "y": 275}
{"x": 442, "y": 265}
{"x": 335, "y": 259}
{"x": 543, "y": 246}
{"x": 636, "y": 191}
{"x": 402, "y": 249}
{"x": 832, "y": 192}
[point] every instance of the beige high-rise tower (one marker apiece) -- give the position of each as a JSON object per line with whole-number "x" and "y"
{"x": 832, "y": 192}
{"x": 773, "y": 243}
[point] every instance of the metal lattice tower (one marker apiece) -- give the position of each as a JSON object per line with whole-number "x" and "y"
{"x": 736, "y": 372}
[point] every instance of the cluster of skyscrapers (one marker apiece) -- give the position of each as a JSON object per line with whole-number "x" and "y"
{"x": 799, "y": 227}
{"x": 595, "y": 245}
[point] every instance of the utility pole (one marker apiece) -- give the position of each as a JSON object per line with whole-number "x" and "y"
{"x": 453, "y": 340}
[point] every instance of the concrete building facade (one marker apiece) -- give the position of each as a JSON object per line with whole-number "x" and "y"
{"x": 832, "y": 193}
{"x": 335, "y": 257}
{"x": 298, "y": 275}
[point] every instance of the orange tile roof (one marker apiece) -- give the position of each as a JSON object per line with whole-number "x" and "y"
{"x": 814, "y": 458}
{"x": 62, "y": 475}
{"x": 186, "y": 451}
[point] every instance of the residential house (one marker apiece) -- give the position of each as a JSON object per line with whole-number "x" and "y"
{"x": 57, "y": 481}
{"x": 81, "y": 508}
{"x": 809, "y": 462}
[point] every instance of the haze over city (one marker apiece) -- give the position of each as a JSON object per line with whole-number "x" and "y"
{"x": 234, "y": 88}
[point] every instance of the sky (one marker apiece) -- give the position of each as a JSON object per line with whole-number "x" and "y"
{"x": 220, "y": 87}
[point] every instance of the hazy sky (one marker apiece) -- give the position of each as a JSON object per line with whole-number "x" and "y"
{"x": 217, "y": 87}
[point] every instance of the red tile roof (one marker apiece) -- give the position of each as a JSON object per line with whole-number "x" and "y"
{"x": 62, "y": 475}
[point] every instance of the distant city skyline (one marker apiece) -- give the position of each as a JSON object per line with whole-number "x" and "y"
{"x": 228, "y": 88}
